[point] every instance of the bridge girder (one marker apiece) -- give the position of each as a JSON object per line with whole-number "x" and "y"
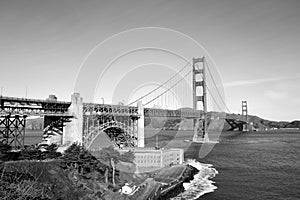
{"x": 181, "y": 113}
{"x": 120, "y": 110}
{"x": 235, "y": 124}
{"x": 104, "y": 109}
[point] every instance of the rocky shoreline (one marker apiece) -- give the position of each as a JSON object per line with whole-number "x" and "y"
{"x": 177, "y": 188}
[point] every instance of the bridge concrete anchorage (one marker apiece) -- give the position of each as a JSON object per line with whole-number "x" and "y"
{"x": 73, "y": 130}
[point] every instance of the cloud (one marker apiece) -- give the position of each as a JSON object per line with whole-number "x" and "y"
{"x": 276, "y": 94}
{"x": 258, "y": 81}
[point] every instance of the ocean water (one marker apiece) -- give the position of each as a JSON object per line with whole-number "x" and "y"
{"x": 257, "y": 165}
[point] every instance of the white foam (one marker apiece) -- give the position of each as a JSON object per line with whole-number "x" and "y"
{"x": 201, "y": 184}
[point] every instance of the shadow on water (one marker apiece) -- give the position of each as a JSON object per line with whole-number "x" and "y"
{"x": 232, "y": 134}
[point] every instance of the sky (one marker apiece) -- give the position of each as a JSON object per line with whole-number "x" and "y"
{"x": 45, "y": 47}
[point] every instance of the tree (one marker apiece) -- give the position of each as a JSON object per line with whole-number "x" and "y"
{"x": 111, "y": 156}
{"x": 81, "y": 159}
{"x": 75, "y": 157}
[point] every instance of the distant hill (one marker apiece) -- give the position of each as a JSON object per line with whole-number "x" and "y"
{"x": 293, "y": 124}
{"x": 263, "y": 124}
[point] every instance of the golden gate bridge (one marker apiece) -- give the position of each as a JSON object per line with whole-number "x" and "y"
{"x": 85, "y": 122}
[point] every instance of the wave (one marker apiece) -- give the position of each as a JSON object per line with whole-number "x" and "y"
{"x": 201, "y": 184}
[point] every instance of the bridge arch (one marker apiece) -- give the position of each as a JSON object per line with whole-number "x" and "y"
{"x": 126, "y": 138}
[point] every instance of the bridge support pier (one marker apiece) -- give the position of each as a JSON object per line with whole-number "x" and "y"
{"x": 141, "y": 131}
{"x": 73, "y": 130}
{"x": 12, "y": 130}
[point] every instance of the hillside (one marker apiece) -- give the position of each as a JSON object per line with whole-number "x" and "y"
{"x": 263, "y": 124}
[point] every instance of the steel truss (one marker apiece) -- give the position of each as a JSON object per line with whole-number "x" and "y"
{"x": 235, "y": 124}
{"x": 120, "y": 110}
{"x": 102, "y": 109}
{"x": 58, "y": 124}
{"x": 152, "y": 112}
{"x": 12, "y": 130}
{"x": 55, "y": 127}
{"x": 22, "y": 106}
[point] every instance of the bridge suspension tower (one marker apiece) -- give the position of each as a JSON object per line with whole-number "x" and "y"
{"x": 199, "y": 96}
{"x": 245, "y": 114}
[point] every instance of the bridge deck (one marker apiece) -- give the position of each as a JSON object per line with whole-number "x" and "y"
{"x": 15, "y": 106}
{"x": 30, "y": 101}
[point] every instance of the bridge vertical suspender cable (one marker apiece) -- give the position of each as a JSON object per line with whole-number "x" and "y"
{"x": 168, "y": 88}
{"x": 216, "y": 86}
{"x": 163, "y": 84}
{"x": 166, "y": 98}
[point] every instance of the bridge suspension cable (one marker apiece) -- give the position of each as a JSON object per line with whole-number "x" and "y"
{"x": 154, "y": 91}
{"x": 162, "y": 85}
{"x": 212, "y": 95}
{"x": 175, "y": 84}
{"x": 217, "y": 89}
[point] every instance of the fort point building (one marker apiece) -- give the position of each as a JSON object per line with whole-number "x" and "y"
{"x": 154, "y": 158}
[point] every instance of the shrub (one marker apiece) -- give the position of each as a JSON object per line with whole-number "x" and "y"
{"x": 20, "y": 185}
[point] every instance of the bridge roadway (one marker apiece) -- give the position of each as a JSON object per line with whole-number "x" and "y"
{"x": 24, "y": 106}
{"x": 122, "y": 110}
{"x": 14, "y": 110}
